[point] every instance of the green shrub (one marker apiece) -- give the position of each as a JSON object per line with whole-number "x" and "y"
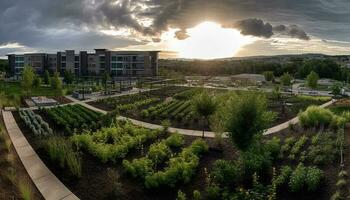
{"x": 253, "y": 162}
{"x": 175, "y": 140}
{"x": 213, "y": 192}
{"x": 305, "y": 179}
{"x": 341, "y": 183}
{"x": 297, "y": 178}
{"x": 315, "y": 116}
{"x": 139, "y": 167}
{"x": 180, "y": 195}
{"x": 158, "y": 152}
{"x": 313, "y": 178}
{"x": 196, "y": 195}
{"x": 273, "y": 146}
{"x": 295, "y": 151}
{"x": 284, "y": 176}
{"x": 227, "y": 173}
{"x": 180, "y": 168}
{"x": 323, "y": 149}
{"x": 288, "y": 143}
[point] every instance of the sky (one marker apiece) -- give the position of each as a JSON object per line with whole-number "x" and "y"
{"x": 179, "y": 28}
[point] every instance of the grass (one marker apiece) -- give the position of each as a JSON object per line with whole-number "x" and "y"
{"x": 25, "y": 190}
{"x": 15, "y": 89}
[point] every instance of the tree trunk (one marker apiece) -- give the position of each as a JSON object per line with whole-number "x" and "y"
{"x": 204, "y": 123}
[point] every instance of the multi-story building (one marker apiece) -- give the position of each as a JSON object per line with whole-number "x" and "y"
{"x": 116, "y": 63}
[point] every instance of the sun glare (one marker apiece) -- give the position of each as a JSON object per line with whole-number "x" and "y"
{"x": 209, "y": 40}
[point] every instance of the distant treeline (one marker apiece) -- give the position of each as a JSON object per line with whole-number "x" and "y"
{"x": 4, "y": 67}
{"x": 298, "y": 68}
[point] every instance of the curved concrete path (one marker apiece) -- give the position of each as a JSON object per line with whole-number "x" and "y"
{"x": 211, "y": 134}
{"x": 47, "y": 183}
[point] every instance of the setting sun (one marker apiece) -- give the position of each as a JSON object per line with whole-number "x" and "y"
{"x": 209, "y": 40}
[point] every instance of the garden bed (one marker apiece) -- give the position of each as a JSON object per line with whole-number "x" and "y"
{"x": 174, "y": 103}
{"x": 98, "y": 178}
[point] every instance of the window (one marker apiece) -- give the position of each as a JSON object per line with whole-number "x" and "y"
{"x": 64, "y": 58}
{"x": 114, "y": 58}
{"x": 63, "y": 65}
{"x": 119, "y": 58}
{"x": 76, "y": 58}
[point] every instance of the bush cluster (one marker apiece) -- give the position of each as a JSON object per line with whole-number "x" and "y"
{"x": 305, "y": 179}
{"x": 180, "y": 168}
{"x": 323, "y": 149}
{"x": 317, "y": 117}
{"x": 112, "y": 143}
{"x": 38, "y": 126}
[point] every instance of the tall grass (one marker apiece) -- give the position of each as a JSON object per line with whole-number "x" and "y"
{"x": 25, "y": 190}
{"x": 61, "y": 151}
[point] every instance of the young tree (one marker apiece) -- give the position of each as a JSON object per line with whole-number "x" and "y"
{"x": 205, "y": 105}
{"x": 27, "y": 79}
{"x": 47, "y": 77}
{"x": 56, "y": 83}
{"x": 247, "y": 120}
{"x": 269, "y": 75}
{"x": 312, "y": 79}
{"x": 37, "y": 81}
{"x": 286, "y": 79}
{"x": 105, "y": 78}
{"x": 68, "y": 77}
{"x": 336, "y": 89}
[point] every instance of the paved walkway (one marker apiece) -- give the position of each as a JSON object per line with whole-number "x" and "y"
{"x": 211, "y": 134}
{"x": 47, "y": 183}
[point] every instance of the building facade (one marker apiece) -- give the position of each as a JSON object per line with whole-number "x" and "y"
{"x": 116, "y": 63}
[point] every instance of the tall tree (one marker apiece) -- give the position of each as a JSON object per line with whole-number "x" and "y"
{"x": 105, "y": 78}
{"x": 286, "y": 79}
{"x": 37, "y": 81}
{"x": 336, "y": 89}
{"x": 27, "y": 79}
{"x": 47, "y": 77}
{"x": 247, "y": 119}
{"x": 68, "y": 77}
{"x": 204, "y": 105}
{"x": 56, "y": 83}
{"x": 312, "y": 79}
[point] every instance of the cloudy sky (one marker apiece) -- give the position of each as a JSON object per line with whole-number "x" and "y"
{"x": 265, "y": 27}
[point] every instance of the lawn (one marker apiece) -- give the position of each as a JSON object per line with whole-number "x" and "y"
{"x": 11, "y": 93}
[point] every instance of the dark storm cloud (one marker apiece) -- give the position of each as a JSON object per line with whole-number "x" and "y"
{"x": 254, "y": 27}
{"x": 43, "y": 23}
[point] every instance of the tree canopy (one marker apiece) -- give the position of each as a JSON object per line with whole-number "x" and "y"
{"x": 312, "y": 79}
{"x": 247, "y": 119}
{"x": 27, "y": 78}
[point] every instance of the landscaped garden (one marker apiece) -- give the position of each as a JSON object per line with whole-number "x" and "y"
{"x": 177, "y": 105}
{"x": 99, "y": 157}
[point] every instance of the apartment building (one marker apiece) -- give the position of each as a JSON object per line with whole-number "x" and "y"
{"x": 116, "y": 63}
